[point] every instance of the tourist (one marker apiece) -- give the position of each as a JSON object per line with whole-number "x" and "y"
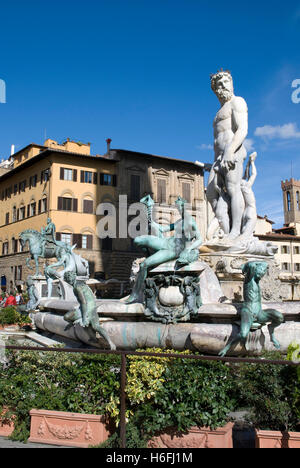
{"x": 19, "y": 298}
{"x": 10, "y": 300}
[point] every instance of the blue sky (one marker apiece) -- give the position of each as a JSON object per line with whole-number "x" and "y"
{"x": 137, "y": 71}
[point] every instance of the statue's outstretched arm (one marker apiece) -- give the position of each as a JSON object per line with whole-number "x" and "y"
{"x": 198, "y": 238}
{"x": 253, "y": 169}
{"x": 159, "y": 229}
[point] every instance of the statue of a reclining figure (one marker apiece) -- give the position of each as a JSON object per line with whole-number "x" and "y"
{"x": 183, "y": 246}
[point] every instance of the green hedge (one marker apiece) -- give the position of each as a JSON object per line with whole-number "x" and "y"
{"x": 161, "y": 392}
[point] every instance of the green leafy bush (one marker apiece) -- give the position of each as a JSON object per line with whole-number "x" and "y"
{"x": 268, "y": 390}
{"x": 10, "y": 316}
{"x": 161, "y": 392}
{"x": 78, "y": 383}
{"x": 294, "y": 355}
{"x": 191, "y": 393}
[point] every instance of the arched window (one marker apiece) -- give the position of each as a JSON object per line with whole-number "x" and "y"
{"x": 288, "y": 196}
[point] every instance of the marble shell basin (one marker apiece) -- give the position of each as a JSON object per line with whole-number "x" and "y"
{"x": 171, "y": 296}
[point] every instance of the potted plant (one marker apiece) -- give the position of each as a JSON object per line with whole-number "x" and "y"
{"x": 191, "y": 408}
{"x": 10, "y": 316}
{"x": 6, "y": 422}
{"x": 269, "y": 392}
{"x": 59, "y": 398}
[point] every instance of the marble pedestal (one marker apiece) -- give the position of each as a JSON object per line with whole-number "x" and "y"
{"x": 60, "y": 289}
{"x": 228, "y": 268}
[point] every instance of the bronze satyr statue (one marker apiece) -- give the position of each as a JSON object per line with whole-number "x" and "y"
{"x": 252, "y": 314}
{"x": 86, "y": 314}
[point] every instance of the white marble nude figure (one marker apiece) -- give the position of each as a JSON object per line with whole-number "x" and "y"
{"x": 230, "y": 132}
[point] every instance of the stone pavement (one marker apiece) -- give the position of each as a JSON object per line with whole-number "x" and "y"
{"x": 6, "y": 443}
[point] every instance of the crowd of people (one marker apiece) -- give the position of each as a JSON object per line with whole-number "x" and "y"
{"x": 11, "y": 299}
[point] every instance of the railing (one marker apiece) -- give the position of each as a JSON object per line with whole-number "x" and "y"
{"x": 124, "y": 355}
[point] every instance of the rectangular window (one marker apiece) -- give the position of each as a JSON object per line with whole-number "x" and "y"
{"x": 286, "y": 267}
{"x": 66, "y": 238}
{"x": 285, "y": 249}
{"x": 19, "y": 273}
{"x": 135, "y": 189}
{"x": 296, "y": 250}
{"x": 32, "y": 209}
{"x": 84, "y": 242}
{"x": 88, "y": 206}
{"x": 33, "y": 181}
{"x": 161, "y": 191}
{"x": 44, "y": 205}
{"x": 22, "y": 186}
{"x": 68, "y": 174}
{"x": 67, "y": 204}
{"x": 86, "y": 177}
{"x": 15, "y": 245}
{"x": 14, "y": 215}
{"x": 186, "y": 192}
{"x": 106, "y": 179}
{"x": 22, "y": 213}
{"x": 297, "y": 267}
{"x": 7, "y": 218}
{"x": 45, "y": 175}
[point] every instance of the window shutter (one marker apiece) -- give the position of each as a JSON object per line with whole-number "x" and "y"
{"x": 74, "y": 175}
{"x": 115, "y": 179}
{"x": 40, "y": 206}
{"x": 186, "y": 192}
{"x": 60, "y": 203}
{"x": 75, "y": 204}
{"x": 88, "y": 206}
{"x": 77, "y": 239}
{"x": 161, "y": 191}
{"x": 58, "y": 236}
{"x": 101, "y": 179}
{"x": 95, "y": 178}
{"x": 135, "y": 187}
{"x": 28, "y": 211}
{"x": 18, "y": 214}
{"x": 61, "y": 173}
{"x": 90, "y": 242}
{"x": 82, "y": 176}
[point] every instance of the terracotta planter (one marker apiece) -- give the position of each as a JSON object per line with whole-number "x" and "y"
{"x": 6, "y": 427}
{"x": 67, "y": 429}
{"x": 294, "y": 440}
{"x": 276, "y": 439}
{"x": 195, "y": 438}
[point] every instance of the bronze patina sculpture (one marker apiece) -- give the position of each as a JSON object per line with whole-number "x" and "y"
{"x": 44, "y": 245}
{"x": 252, "y": 314}
{"x": 33, "y": 297}
{"x": 86, "y": 314}
{"x": 183, "y": 246}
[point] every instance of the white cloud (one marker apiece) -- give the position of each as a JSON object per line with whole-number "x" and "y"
{"x": 283, "y": 132}
{"x": 205, "y": 147}
{"x": 249, "y": 144}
